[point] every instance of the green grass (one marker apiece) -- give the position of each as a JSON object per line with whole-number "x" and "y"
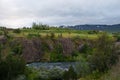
{"x": 65, "y": 33}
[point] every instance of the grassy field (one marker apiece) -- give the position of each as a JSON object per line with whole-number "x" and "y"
{"x": 64, "y": 33}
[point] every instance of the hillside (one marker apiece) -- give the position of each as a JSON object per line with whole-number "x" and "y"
{"x": 110, "y": 28}
{"x": 94, "y": 51}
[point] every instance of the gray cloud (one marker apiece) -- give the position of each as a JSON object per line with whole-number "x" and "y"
{"x": 19, "y": 13}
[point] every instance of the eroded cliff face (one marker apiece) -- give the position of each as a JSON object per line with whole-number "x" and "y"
{"x": 31, "y": 50}
{"x": 39, "y": 49}
{"x": 34, "y": 49}
{"x": 3, "y": 39}
{"x": 67, "y": 45}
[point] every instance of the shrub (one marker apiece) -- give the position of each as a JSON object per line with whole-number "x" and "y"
{"x": 16, "y": 48}
{"x": 82, "y": 68}
{"x": 117, "y": 36}
{"x": 55, "y": 74}
{"x": 1, "y": 33}
{"x": 57, "y": 53}
{"x": 45, "y": 46}
{"x": 70, "y": 74}
{"x": 52, "y": 35}
{"x": 86, "y": 49}
{"x": 103, "y": 55}
{"x": 33, "y": 35}
{"x": 11, "y": 67}
{"x": 16, "y": 31}
{"x": 93, "y": 32}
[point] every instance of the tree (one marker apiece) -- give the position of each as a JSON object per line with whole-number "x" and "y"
{"x": 40, "y": 26}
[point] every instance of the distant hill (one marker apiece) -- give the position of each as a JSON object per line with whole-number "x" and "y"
{"x": 110, "y": 28}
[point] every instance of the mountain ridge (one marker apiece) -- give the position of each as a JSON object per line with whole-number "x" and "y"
{"x": 102, "y": 27}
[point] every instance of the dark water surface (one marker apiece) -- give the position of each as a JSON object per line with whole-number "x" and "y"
{"x": 51, "y": 65}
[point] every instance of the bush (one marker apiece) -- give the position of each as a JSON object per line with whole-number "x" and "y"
{"x": 16, "y": 31}
{"x": 82, "y": 68}
{"x": 45, "y": 46}
{"x": 70, "y": 74}
{"x": 1, "y": 33}
{"x": 11, "y": 68}
{"x": 93, "y": 32}
{"x": 33, "y": 35}
{"x": 52, "y": 35}
{"x": 57, "y": 53}
{"x": 103, "y": 55}
{"x": 117, "y": 36}
{"x": 16, "y": 48}
{"x": 55, "y": 74}
{"x": 86, "y": 49}
{"x": 44, "y": 74}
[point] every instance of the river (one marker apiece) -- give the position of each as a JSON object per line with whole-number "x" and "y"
{"x": 51, "y": 65}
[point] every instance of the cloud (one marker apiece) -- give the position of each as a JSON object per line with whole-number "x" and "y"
{"x": 19, "y": 13}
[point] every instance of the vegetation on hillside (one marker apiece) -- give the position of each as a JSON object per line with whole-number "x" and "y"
{"x": 95, "y": 52}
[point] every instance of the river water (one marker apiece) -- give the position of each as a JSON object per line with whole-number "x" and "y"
{"x": 51, "y": 65}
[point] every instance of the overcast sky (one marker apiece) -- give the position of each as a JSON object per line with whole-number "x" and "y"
{"x": 19, "y": 13}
